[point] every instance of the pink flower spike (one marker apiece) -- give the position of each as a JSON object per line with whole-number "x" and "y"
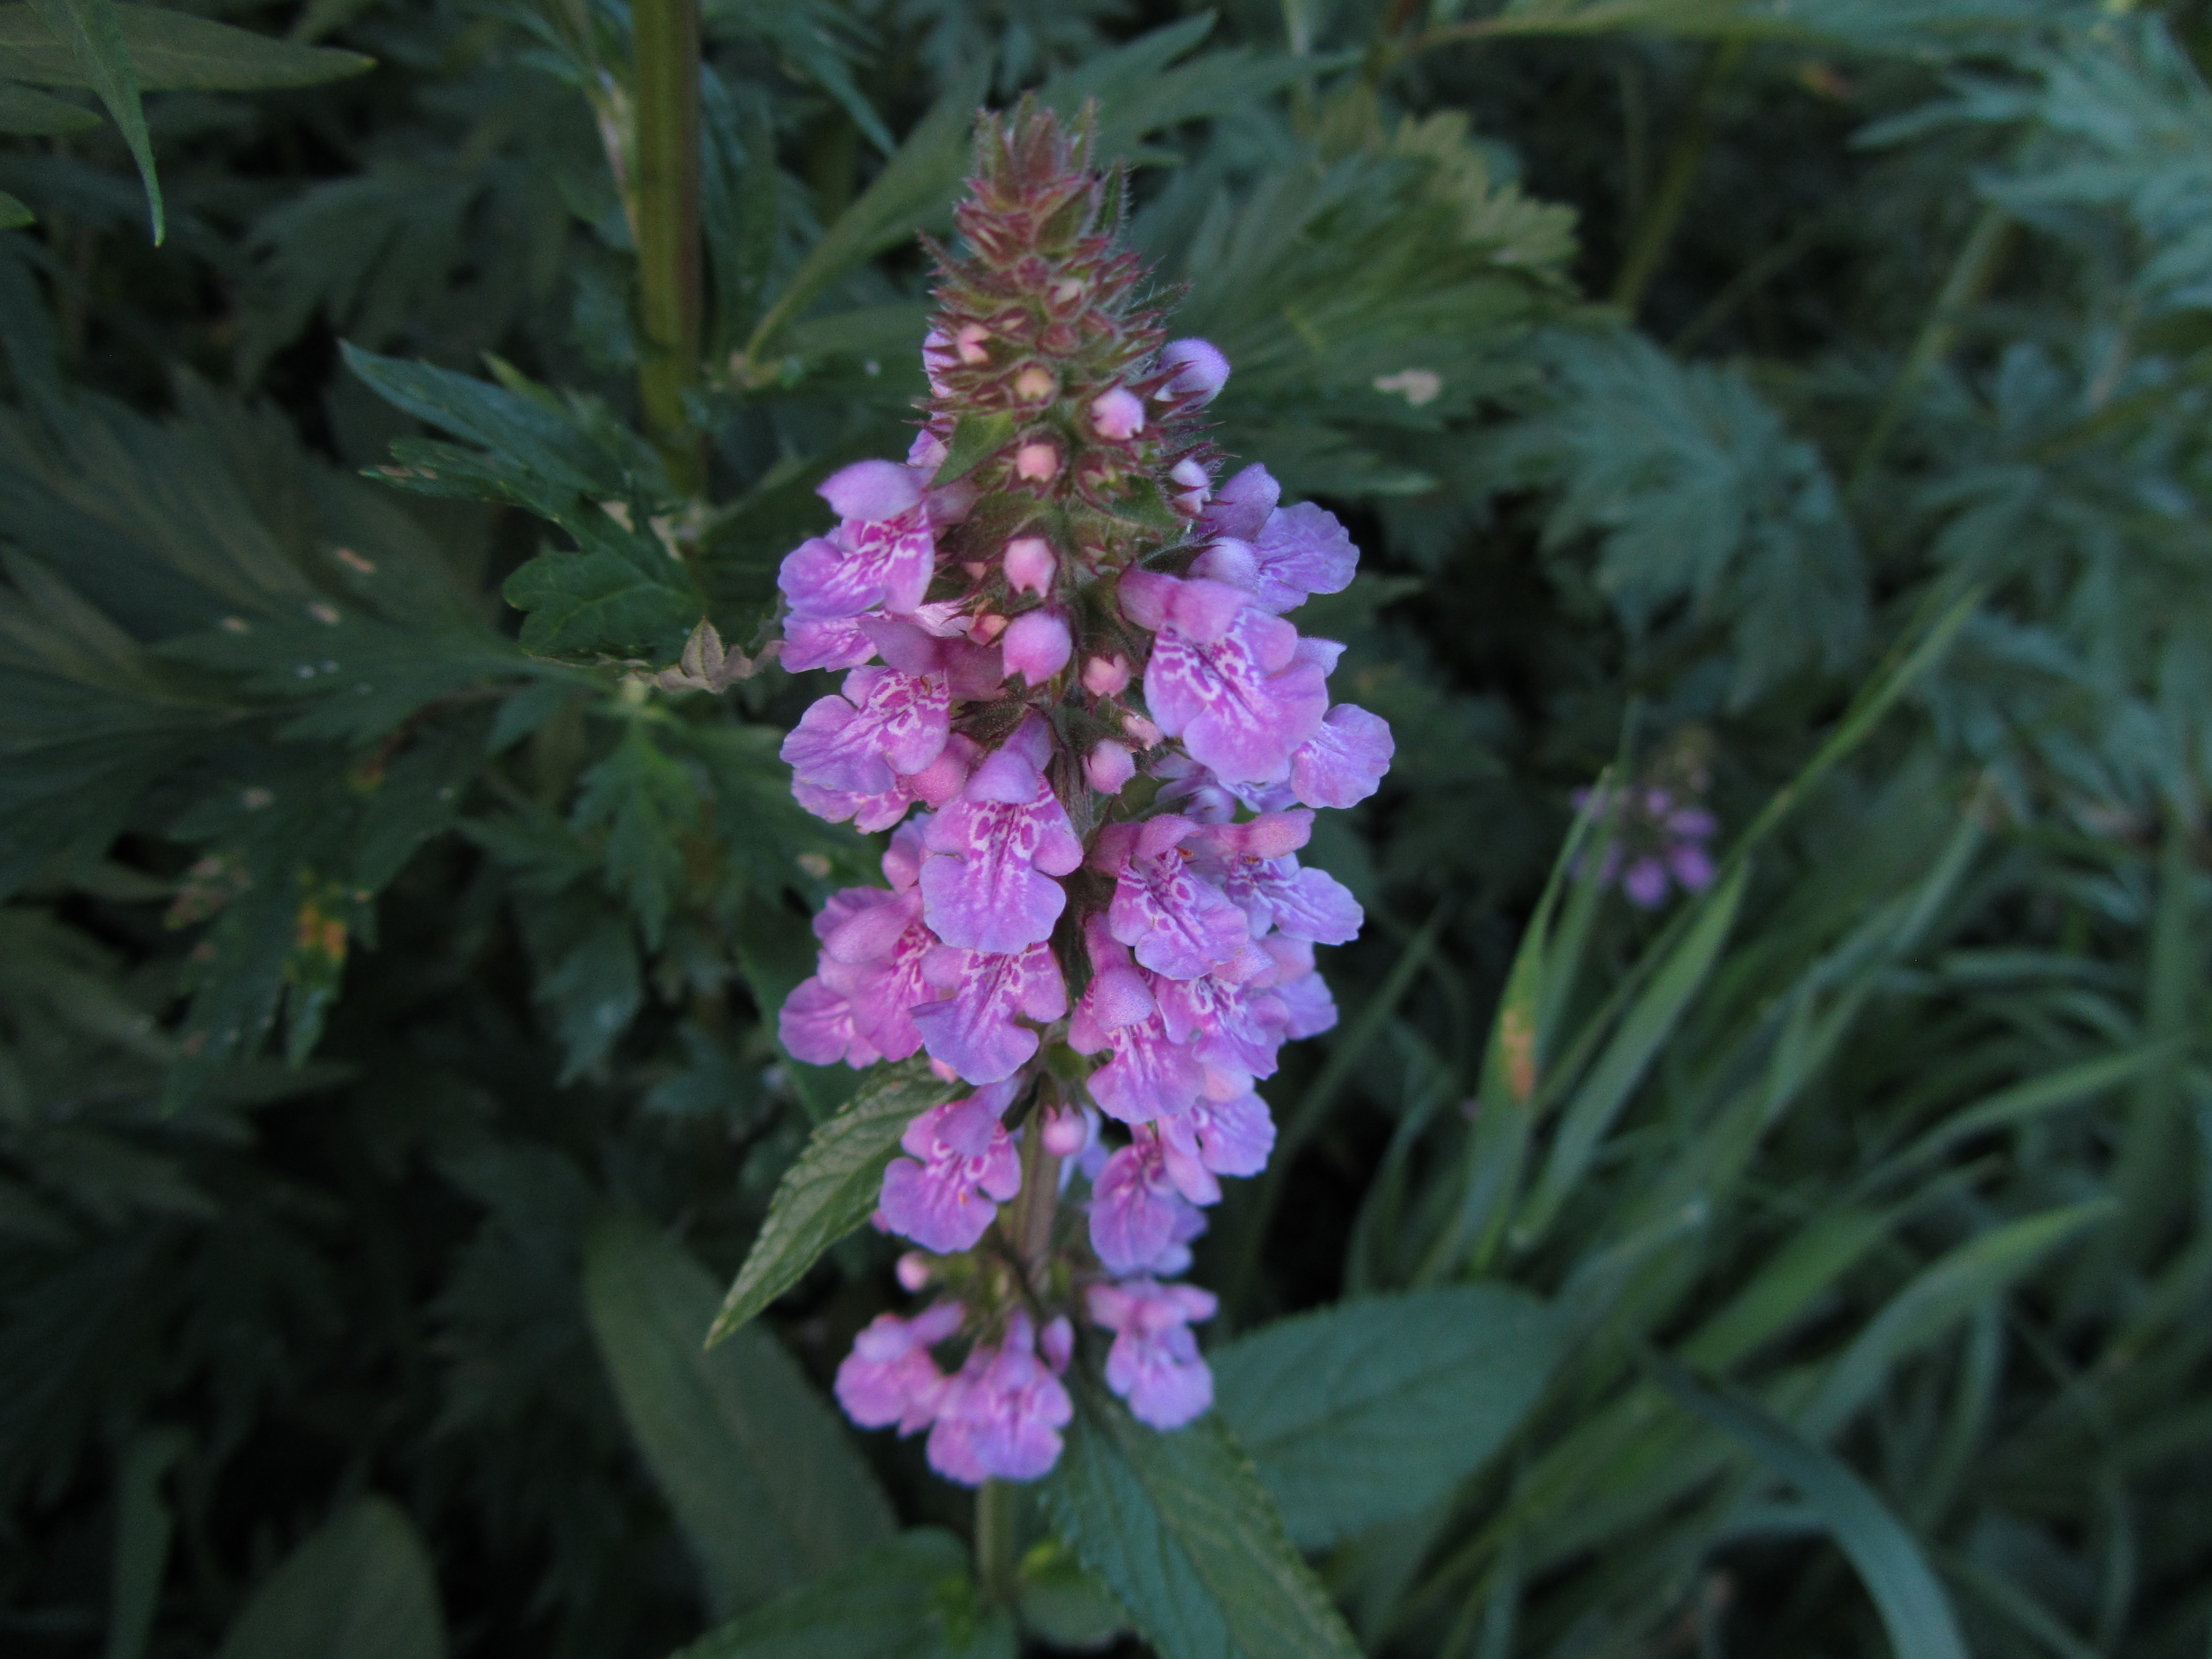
{"x": 1030, "y": 564}
{"x": 1117, "y": 415}
{"x": 1199, "y": 369}
{"x": 1037, "y": 646}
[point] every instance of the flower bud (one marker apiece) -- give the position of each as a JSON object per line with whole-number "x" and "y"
{"x": 1200, "y": 370}
{"x": 1057, "y": 1343}
{"x": 1141, "y": 731}
{"x": 914, "y": 1271}
{"x": 968, "y": 342}
{"x": 1034, "y": 383}
{"x": 1030, "y": 564}
{"x": 1118, "y": 415}
{"x": 1109, "y": 766}
{"x": 1037, "y": 646}
{"x": 1065, "y": 1131}
{"x": 1194, "y": 486}
{"x": 987, "y": 628}
{"x": 1106, "y": 677}
{"x": 1037, "y": 460}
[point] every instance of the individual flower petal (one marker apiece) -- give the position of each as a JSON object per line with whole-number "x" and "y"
{"x": 1177, "y": 923}
{"x": 989, "y": 886}
{"x": 1344, "y": 760}
{"x": 972, "y": 1029}
{"x": 1154, "y": 1363}
{"x": 890, "y": 1377}
{"x": 816, "y": 1025}
{"x": 1302, "y": 550}
{"x": 1241, "y": 704}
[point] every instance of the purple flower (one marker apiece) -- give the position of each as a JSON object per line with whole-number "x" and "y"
{"x": 1344, "y": 760}
{"x": 888, "y": 1377}
{"x": 883, "y": 553}
{"x": 943, "y": 1196}
{"x": 999, "y": 846}
{"x": 972, "y": 1029}
{"x": 1001, "y": 1416}
{"x": 1241, "y": 696}
{"x": 1154, "y": 1363}
{"x": 816, "y": 1025}
{"x": 1231, "y": 1137}
{"x": 1656, "y": 840}
{"x": 1138, "y": 1197}
{"x": 1178, "y": 923}
{"x": 1253, "y": 861}
{"x": 934, "y": 785}
{"x": 1240, "y": 510}
{"x": 1300, "y": 551}
{"x": 884, "y": 725}
{"x": 1235, "y": 1027}
{"x": 824, "y": 643}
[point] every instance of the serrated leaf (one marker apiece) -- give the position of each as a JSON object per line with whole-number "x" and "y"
{"x": 1182, "y": 1532}
{"x": 509, "y": 424}
{"x": 831, "y": 1190}
{"x": 172, "y": 51}
{"x": 912, "y": 1598}
{"x": 1372, "y": 1410}
{"x": 34, "y": 115}
{"x": 645, "y": 800}
{"x": 361, "y": 1588}
{"x": 759, "y": 1471}
{"x": 590, "y": 606}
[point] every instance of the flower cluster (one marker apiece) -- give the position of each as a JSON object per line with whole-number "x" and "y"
{"x": 1657, "y": 836}
{"x": 1072, "y": 693}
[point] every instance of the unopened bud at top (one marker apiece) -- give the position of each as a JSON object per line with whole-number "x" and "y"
{"x": 1201, "y": 370}
{"x": 1117, "y": 414}
{"x": 1034, "y": 383}
{"x": 1109, "y": 766}
{"x": 915, "y": 1270}
{"x": 1065, "y": 1131}
{"x": 1030, "y": 564}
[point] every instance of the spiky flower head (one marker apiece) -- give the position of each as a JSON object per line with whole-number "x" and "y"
{"x": 1069, "y": 646}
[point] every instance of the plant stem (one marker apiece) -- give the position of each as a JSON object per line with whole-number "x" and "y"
{"x": 1972, "y": 273}
{"x": 1029, "y": 1226}
{"x": 1656, "y": 227}
{"x": 666, "y": 100}
{"x": 994, "y": 1541}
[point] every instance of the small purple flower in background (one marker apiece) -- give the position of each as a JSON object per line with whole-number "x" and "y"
{"x": 1020, "y": 646}
{"x": 1658, "y": 829}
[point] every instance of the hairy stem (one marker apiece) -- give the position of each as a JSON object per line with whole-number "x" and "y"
{"x": 994, "y": 1541}
{"x": 666, "y": 94}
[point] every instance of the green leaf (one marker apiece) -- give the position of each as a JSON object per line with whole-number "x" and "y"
{"x": 831, "y": 1190}
{"x": 361, "y": 1588}
{"x": 14, "y": 214}
{"x": 142, "y": 1529}
{"x": 1599, "y": 1098}
{"x": 1181, "y": 1529}
{"x": 34, "y": 115}
{"x": 171, "y": 51}
{"x": 92, "y": 32}
{"x": 647, "y": 802}
{"x": 1371, "y": 1410}
{"x": 912, "y": 1598}
{"x": 1983, "y": 1267}
{"x": 976, "y": 439}
{"x": 509, "y": 424}
{"x": 1914, "y": 1608}
{"x": 915, "y": 186}
{"x": 599, "y": 604}
{"x": 759, "y": 1471}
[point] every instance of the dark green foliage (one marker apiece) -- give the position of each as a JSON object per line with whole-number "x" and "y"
{"x": 401, "y": 878}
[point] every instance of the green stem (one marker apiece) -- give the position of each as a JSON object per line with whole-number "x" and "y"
{"x": 994, "y": 1541}
{"x": 1972, "y": 273}
{"x": 1655, "y": 228}
{"x": 666, "y": 99}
